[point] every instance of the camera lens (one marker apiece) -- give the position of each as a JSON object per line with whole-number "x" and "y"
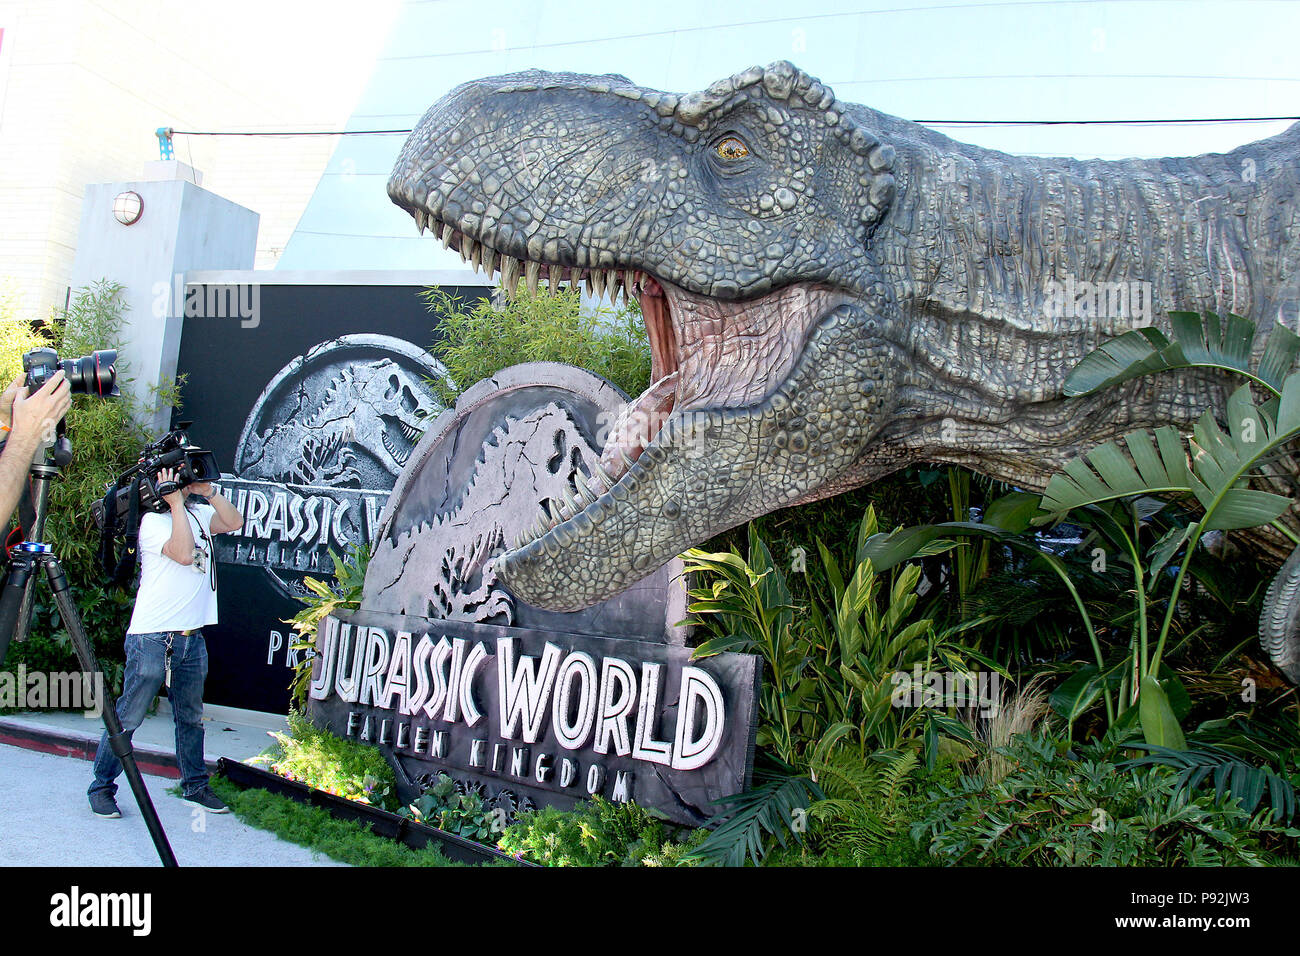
{"x": 203, "y": 465}
{"x": 93, "y": 374}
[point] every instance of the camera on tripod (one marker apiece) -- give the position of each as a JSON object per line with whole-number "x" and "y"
{"x": 190, "y": 463}
{"x": 94, "y": 374}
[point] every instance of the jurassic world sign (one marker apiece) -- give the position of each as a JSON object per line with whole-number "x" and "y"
{"x": 537, "y": 716}
{"x": 447, "y": 672}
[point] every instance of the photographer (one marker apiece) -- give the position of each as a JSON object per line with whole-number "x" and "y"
{"x": 164, "y": 641}
{"x": 26, "y": 421}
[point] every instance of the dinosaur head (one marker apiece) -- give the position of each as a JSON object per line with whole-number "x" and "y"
{"x": 394, "y": 404}
{"x": 740, "y": 217}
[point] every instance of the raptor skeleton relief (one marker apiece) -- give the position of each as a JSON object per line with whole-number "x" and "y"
{"x": 448, "y": 550}
{"x": 831, "y": 293}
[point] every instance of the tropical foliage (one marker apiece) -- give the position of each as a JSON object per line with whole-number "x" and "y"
{"x": 323, "y": 599}
{"x": 598, "y": 833}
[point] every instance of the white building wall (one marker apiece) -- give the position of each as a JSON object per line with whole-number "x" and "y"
{"x": 84, "y": 84}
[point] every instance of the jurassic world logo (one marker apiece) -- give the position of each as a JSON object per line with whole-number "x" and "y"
{"x": 548, "y": 716}
{"x": 320, "y": 451}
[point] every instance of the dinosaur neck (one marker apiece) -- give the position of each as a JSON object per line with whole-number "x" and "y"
{"x": 974, "y": 239}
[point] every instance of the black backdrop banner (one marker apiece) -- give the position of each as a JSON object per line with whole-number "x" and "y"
{"x": 311, "y": 405}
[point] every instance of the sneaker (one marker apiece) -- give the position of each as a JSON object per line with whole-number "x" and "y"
{"x": 206, "y": 799}
{"x": 103, "y": 805}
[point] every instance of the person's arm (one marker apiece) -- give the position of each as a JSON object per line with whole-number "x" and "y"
{"x": 180, "y": 546}
{"x": 15, "y": 463}
{"x": 227, "y": 517}
{"x": 30, "y": 420}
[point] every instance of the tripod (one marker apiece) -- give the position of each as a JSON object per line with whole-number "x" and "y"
{"x": 15, "y": 616}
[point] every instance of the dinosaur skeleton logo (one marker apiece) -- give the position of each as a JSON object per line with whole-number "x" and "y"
{"x": 320, "y": 452}
{"x": 373, "y": 409}
{"x": 439, "y": 567}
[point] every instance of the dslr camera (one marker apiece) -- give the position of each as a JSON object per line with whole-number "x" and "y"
{"x": 174, "y": 450}
{"x": 94, "y": 374}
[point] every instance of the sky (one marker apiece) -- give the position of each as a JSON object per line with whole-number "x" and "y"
{"x": 922, "y": 60}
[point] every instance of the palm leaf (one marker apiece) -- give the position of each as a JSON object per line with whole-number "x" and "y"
{"x": 1195, "y": 341}
{"x": 1230, "y": 775}
{"x": 1158, "y": 465}
{"x": 750, "y": 818}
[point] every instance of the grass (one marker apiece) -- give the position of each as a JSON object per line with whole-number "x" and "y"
{"x": 347, "y": 841}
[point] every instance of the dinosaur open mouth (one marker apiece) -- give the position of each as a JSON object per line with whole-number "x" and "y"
{"x": 399, "y": 438}
{"x": 626, "y": 437}
{"x": 708, "y": 356}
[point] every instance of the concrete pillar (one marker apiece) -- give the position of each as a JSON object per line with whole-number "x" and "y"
{"x": 182, "y": 227}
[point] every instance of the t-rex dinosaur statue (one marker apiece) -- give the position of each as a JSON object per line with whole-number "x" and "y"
{"x": 832, "y": 293}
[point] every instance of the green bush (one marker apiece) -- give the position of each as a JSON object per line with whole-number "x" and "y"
{"x": 597, "y": 833}
{"x": 1056, "y": 808}
{"x": 475, "y": 342}
{"x": 349, "y": 769}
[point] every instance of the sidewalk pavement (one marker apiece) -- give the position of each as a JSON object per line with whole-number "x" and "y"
{"x": 227, "y": 732}
{"x": 45, "y": 819}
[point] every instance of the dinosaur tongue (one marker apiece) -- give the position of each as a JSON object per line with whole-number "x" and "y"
{"x": 658, "y": 326}
{"x": 639, "y": 421}
{"x": 637, "y": 424}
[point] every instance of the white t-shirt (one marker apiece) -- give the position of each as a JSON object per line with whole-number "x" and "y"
{"x": 174, "y": 596}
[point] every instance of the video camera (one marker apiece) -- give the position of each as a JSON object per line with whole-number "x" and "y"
{"x": 173, "y": 450}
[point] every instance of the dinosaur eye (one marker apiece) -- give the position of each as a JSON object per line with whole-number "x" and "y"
{"x": 731, "y": 148}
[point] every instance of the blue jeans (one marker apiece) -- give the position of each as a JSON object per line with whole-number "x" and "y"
{"x": 145, "y": 665}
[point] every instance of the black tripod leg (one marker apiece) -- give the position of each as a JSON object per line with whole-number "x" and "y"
{"x": 118, "y": 739}
{"x": 11, "y": 599}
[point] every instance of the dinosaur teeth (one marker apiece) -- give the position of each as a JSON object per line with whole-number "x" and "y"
{"x": 447, "y": 232}
{"x": 597, "y": 283}
{"x": 468, "y": 251}
{"x": 532, "y": 274}
{"x": 554, "y": 275}
{"x": 489, "y": 260}
{"x": 509, "y": 274}
{"x": 421, "y": 220}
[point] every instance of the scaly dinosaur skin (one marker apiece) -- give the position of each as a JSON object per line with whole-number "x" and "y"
{"x": 831, "y": 293}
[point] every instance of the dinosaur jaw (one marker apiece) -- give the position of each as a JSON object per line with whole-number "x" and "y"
{"x": 675, "y": 466}
{"x": 399, "y": 438}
